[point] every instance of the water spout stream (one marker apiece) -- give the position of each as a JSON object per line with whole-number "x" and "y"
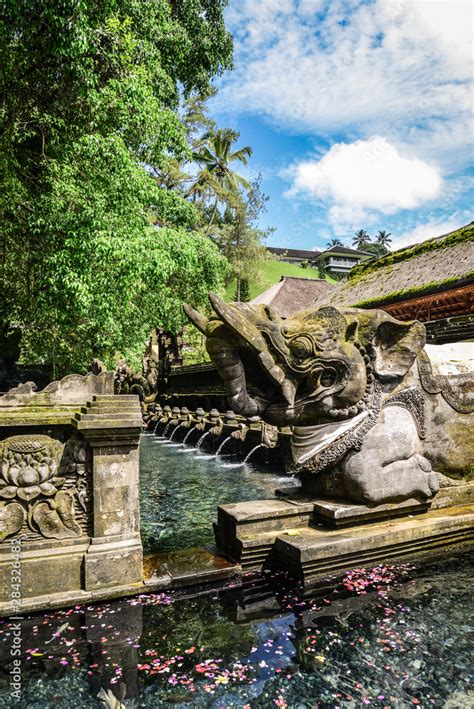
{"x": 199, "y": 443}
{"x": 249, "y": 455}
{"x": 222, "y": 445}
{"x": 177, "y": 427}
{"x": 188, "y": 434}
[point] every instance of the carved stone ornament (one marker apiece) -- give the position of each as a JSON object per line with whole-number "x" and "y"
{"x": 325, "y": 372}
{"x": 440, "y": 384}
{"x": 349, "y": 440}
{"x": 36, "y": 486}
{"x": 29, "y": 467}
{"x": 412, "y": 400}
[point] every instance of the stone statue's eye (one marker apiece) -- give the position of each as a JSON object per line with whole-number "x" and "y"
{"x": 301, "y": 348}
{"x": 328, "y": 378}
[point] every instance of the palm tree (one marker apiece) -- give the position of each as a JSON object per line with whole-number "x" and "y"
{"x": 214, "y": 156}
{"x": 383, "y": 238}
{"x": 334, "y": 242}
{"x": 361, "y": 238}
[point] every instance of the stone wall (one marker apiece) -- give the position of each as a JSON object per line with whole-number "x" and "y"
{"x": 69, "y": 504}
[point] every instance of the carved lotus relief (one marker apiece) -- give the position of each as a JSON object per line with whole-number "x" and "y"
{"x": 33, "y": 471}
{"x": 29, "y": 467}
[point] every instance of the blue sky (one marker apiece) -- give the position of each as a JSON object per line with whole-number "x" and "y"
{"x": 358, "y": 112}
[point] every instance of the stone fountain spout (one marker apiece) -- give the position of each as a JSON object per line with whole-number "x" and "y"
{"x": 343, "y": 380}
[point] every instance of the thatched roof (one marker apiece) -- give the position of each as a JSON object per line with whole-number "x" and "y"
{"x": 435, "y": 265}
{"x": 292, "y": 294}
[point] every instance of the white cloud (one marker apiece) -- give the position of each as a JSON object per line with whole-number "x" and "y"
{"x": 423, "y": 232}
{"x": 362, "y": 177}
{"x": 400, "y": 68}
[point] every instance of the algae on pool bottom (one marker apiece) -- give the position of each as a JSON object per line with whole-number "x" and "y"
{"x": 390, "y": 637}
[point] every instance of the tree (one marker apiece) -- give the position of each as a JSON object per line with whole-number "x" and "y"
{"x": 242, "y": 291}
{"x": 322, "y": 271}
{"x": 361, "y": 239}
{"x": 376, "y": 249}
{"x": 238, "y": 237}
{"x": 334, "y": 242}
{"x": 383, "y": 238}
{"x": 91, "y": 95}
{"x": 215, "y": 155}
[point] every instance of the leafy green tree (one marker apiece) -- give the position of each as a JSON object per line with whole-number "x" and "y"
{"x": 376, "y": 249}
{"x": 239, "y": 238}
{"x": 360, "y": 239}
{"x": 322, "y": 271}
{"x": 215, "y": 156}
{"x": 242, "y": 291}
{"x": 90, "y": 96}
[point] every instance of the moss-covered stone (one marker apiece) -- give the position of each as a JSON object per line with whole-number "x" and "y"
{"x": 407, "y": 293}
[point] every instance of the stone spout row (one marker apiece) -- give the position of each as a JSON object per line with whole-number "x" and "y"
{"x": 217, "y": 432}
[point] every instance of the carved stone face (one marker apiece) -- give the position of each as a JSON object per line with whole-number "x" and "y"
{"x": 315, "y": 367}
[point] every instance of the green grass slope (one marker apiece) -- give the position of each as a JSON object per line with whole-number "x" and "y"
{"x": 271, "y": 273}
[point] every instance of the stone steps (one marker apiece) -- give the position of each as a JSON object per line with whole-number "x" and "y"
{"x": 315, "y": 553}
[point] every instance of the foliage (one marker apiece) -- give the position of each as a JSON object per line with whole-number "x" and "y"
{"x": 242, "y": 292}
{"x": 322, "y": 270}
{"x": 360, "y": 239}
{"x": 334, "y": 242}
{"x": 91, "y": 95}
{"x": 376, "y": 249}
{"x": 217, "y": 178}
{"x": 194, "y": 350}
{"x": 383, "y": 238}
{"x": 304, "y": 264}
{"x": 239, "y": 239}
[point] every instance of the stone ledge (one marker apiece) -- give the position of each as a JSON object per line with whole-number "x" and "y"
{"x": 313, "y": 553}
{"x": 338, "y": 513}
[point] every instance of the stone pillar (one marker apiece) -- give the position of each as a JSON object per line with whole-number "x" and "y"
{"x": 112, "y": 428}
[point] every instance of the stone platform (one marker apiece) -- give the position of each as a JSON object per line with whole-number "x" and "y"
{"x": 313, "y": 553}
{"x": 316, "y": 538}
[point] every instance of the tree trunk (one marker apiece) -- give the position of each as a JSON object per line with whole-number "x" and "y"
{"x": 212, "y": 215}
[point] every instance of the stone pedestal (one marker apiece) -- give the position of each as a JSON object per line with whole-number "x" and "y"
{"x": 69, "y": 495}
{"x": 314, "y": 553}
{"x": 316, "y": 538}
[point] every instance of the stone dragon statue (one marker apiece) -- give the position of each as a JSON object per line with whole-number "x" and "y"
{"x": 372, "y": 420}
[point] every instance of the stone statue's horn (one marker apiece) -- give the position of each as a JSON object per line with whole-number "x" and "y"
{"x": 196, "y": 318}
{"x": 238, "y": 323}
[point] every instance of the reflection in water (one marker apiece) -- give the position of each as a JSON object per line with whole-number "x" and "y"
{"x": 392, "y": 637}
{"x": 181, "y": 489}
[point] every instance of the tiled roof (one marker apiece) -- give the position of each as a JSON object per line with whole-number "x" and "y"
{"x": 293, "y": 253}
{"x": 346, "y": 250}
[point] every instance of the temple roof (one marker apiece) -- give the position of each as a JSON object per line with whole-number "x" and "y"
{"x": 346, "y": 250}
{"x": 293, "y": 253}
{"x": 291, "y": 294}
{"x": 436, "y": 265}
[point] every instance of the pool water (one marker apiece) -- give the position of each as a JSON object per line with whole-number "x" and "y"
{"x": 181, "y": 487}
{"x": 391, "y": 637}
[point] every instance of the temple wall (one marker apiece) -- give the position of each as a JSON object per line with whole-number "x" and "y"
{"x": 69, "y": 503}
